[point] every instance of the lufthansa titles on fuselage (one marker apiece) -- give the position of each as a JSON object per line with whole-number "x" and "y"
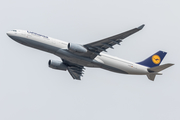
{"x": 37, "y": 34}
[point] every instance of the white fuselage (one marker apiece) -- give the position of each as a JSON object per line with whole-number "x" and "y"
{"x": 60, "y": 49}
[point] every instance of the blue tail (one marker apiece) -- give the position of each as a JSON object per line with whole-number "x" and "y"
{"x": 154, "y": 60}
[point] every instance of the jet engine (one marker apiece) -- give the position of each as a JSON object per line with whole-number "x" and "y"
{"x": 76, "y": 48}
{"x": 57, "y": 65}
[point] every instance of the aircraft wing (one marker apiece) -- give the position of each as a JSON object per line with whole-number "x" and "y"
{"x": 95, "y": 48}
{"x": 76, "y": 71}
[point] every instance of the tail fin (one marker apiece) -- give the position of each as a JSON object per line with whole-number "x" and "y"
{"x": 154, "y": 70}
{"x": 153, "y": 63}
{"x": 154, "y": 60}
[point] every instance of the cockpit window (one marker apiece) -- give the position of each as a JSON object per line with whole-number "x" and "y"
{"x": 14, "y": 30}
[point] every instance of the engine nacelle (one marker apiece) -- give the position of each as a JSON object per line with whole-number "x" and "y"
{"x": 76, "y": 48}
{"x": 57, "y": 65}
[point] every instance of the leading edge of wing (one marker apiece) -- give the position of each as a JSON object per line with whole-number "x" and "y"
{"x": 118, "y": 36}
{"x": 101, "y": 45}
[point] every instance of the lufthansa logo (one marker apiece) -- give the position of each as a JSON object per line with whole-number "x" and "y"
{"x": 156, "y": 59}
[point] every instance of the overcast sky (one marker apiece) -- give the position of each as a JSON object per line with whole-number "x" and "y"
{"x": 30, "y": 90}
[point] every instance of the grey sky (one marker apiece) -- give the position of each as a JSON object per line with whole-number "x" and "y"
{"x": 30, "y": 90}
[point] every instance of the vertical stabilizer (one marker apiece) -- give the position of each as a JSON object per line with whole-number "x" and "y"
{"x": 154, "y": 60}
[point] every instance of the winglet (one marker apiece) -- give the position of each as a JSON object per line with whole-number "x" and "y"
{"x": 141, "y": 27}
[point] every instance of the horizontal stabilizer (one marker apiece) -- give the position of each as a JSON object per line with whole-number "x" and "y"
{"x": 151, "y": 76}
{"x": 160, "y": 68}
{"x": 154, "y": 70}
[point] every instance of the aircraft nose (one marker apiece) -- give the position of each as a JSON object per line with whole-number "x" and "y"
{"x": 9, "y": 33}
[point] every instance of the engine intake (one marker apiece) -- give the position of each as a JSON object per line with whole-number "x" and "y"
{"x": 57, "y": 65}
{"x": 76, "y": 48}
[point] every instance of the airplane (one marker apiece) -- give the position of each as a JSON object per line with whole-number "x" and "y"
{"x": 76, "y": 57}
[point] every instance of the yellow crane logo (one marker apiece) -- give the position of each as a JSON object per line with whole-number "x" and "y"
{"x": 156, "y": 59}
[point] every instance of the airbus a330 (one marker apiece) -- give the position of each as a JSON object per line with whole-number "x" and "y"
{"x": 75, "y": 56}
